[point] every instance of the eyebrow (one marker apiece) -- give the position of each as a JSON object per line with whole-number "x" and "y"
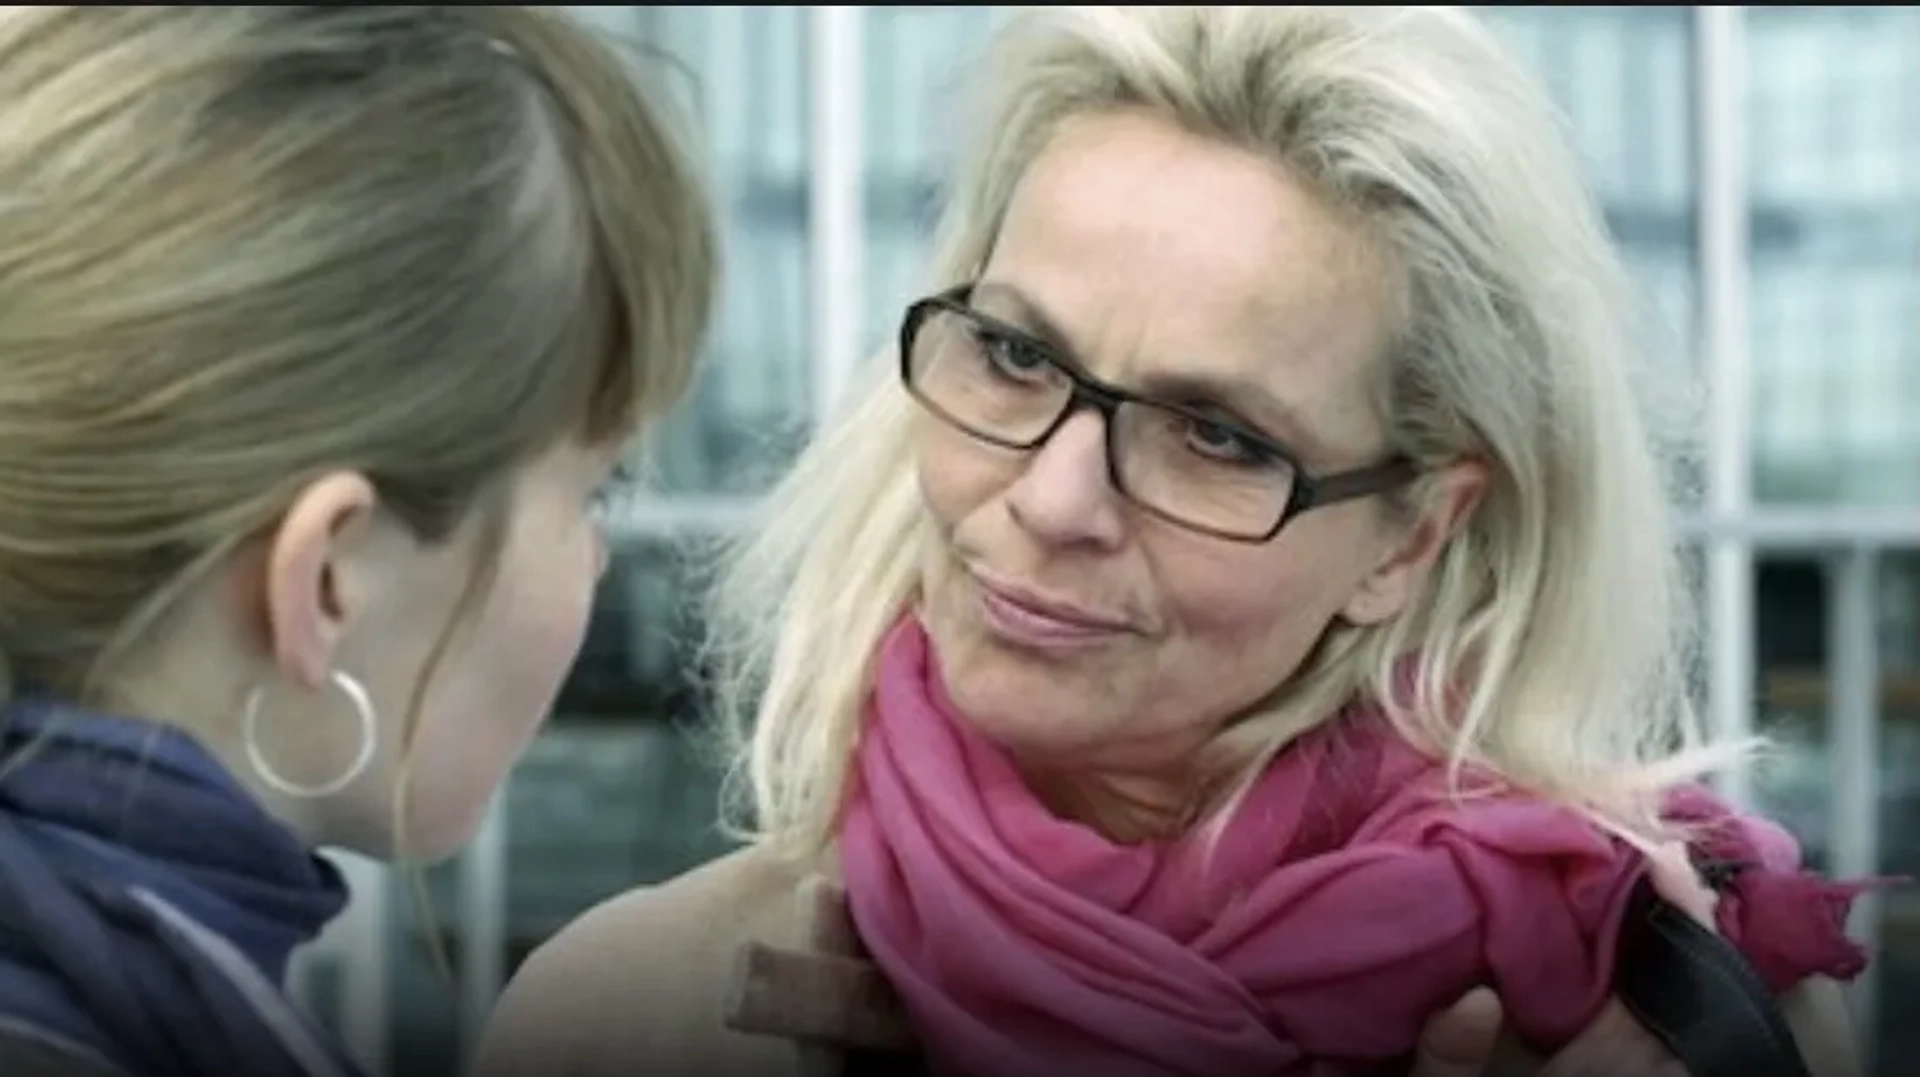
{"x": 1252, "y": 402}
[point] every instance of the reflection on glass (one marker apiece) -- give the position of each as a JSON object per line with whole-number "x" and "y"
{"x": 1834, "y": 170}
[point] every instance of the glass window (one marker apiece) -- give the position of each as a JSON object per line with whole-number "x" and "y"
{"x": 1623, "y": 76}
{"x": 1896, "y": 1037}
{"x": 749, "y": 410}
{"x": 916, "y": 60}
{"x": 1798, "y": 784}
{"x": 1834, "y": 169}
{"x": 641, "y": 638}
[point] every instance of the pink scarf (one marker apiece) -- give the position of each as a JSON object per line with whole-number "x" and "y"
{"x": 1345, "y": 903}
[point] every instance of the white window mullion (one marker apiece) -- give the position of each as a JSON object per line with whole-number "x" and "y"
{"x": 836, "y": 66}
{"x": 1853, "y": 731}
{"x": 1720, "y": 131}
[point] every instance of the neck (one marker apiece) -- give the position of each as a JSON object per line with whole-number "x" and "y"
{"x": 164, "y": 702}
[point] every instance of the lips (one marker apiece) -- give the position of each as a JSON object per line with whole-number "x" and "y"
{"x": 1025, "y": 617}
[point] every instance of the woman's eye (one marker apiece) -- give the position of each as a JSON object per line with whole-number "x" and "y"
{"x": 1015, "y": 358}
{"x": 1219, "y": 441}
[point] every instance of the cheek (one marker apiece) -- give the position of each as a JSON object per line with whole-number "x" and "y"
{"x": 1228, "y": 597}
{"x": 540, "y": 616}
{"x": 497, "y": 689}
{"x": 957, "y": 475}
{"x": 1258, "y": 608}
{"x": 958, "y": 480}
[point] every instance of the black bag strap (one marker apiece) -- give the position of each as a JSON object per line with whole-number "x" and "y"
{"x": 1698, "y": 995}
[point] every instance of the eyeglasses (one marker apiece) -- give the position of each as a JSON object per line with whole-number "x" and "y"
{"x": 1004, "y": 387}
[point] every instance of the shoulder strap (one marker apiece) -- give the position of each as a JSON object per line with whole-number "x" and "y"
{"x": 1695, "y": 992}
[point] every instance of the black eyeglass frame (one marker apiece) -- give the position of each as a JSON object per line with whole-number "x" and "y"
{"x": 1308, "y": 491}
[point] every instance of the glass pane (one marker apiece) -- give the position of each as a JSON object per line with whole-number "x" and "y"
{"x": 1797, "y": 784}
{"x": 593, "y": 810}
{"x": 621, "y": 767}
{"x": 748, "y": 412}
{"x": 640, "y": 640}
{"x": 1623, "y": 76}
{"x": 596, "y": 809}
{"x": 916, "y": 58}
{"x": 1834, "y": 170}
{"x": 1896, "y": 1036}
{"x": 1791, "y": 661}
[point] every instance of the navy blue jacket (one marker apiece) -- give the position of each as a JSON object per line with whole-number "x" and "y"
{"x": 148, "y": 905}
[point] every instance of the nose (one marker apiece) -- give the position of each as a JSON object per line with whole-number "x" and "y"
{"x": 1065, "y": 497}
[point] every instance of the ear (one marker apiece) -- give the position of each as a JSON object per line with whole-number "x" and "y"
{"x": 310, "y": 597}
{"x": 1392, "y": 583}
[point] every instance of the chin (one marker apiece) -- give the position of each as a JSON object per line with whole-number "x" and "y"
{"x": 438, "y": 818}
{"x": 1033, "y": 717}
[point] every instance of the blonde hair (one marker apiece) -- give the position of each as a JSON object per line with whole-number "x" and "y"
{"x": 241, "y": 247}
{"x": 1551, "y": 642}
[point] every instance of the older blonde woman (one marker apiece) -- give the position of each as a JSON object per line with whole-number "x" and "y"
{"x": 1240, "y": 617}
{"x": 319, "y": 327}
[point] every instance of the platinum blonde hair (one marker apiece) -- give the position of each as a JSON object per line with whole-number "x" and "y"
{"x": 241, "y": 247}
{"x": 1551, "y": 643}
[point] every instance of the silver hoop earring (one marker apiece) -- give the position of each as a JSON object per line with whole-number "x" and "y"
{"x": 363, "y": 713}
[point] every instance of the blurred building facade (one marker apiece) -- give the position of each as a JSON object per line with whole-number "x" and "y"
{"x": 1760, "y": 167}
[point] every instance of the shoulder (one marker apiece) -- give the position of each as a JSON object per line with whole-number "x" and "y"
{"x": 639, "y": 982}
{"x": 712, "y": 903}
